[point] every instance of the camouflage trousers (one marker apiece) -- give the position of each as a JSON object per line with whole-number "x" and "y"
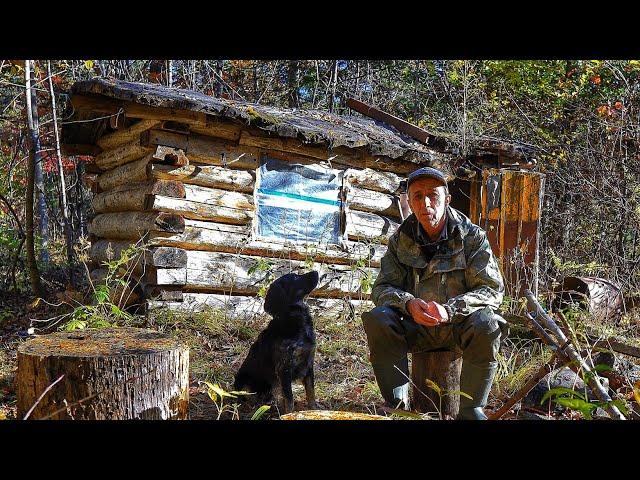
{"x": 392, "y": 336}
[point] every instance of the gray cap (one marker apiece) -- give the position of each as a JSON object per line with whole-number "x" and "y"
{"x": 426, "y": 172}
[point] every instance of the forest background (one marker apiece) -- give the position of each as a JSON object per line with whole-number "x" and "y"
{"x": 582, "y": 116}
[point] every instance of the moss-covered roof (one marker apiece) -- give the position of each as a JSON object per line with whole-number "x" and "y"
{"x": 312, "y": 127}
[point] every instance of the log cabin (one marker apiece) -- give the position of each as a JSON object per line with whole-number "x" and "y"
{"x": 224, "y": 196}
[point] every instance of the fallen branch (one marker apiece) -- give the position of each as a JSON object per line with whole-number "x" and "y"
{"x": 567, "y": 350}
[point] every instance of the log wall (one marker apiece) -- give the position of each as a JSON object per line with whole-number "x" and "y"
{"x": 185, "y": 191}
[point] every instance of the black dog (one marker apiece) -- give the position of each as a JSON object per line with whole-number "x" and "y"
{"x": 284, "y": 351}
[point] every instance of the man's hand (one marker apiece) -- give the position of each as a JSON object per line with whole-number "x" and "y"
{"x": 429, "y": 314}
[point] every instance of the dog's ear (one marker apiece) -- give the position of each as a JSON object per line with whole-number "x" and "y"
{"x": 277, "y": 298}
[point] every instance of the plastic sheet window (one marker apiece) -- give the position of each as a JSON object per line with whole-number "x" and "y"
{"x": 298, "y": 203}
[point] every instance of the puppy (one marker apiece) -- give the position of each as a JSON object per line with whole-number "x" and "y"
{"x": 284, "y": 351}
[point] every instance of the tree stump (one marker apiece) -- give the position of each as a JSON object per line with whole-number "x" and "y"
{"x": 107, "y": 374}
{"x": 443, "y": 368}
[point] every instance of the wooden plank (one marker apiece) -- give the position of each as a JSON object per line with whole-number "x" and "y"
{"x": 200, "y": 211}
{"x": 207, "y": 271}
{"x": 120, "y": 137}
{"x": 475, "y": 202}
{"x": 370, "y": 227}
{"x": 510, "y": 208}
{"x": 404, "y": 127}
{"x": 136, "y": 171}
{"x": 216, "y": 237}
{"x": 133, "y": 225}
{"x": 132, "y": 196}
{"x": 205, "y": 176}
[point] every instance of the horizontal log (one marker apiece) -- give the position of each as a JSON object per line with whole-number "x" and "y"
{"x": 372, "y": 201}
{"x": 370, "y": 227}
{"x": 240, "y": 306}
{"x": 216, "y": 237}
{"x": 120, "y": 137}
{"x": 235, "y": 213}
{"x": 207, "y": 150}
{"x": 101, "y": 104}
{"x": 244, "y": 274}
{"x": 126, "y": 153}
{"x": 370, "y": 179}
{"x": 121, "y": 295}
{"x": 105, "y": 250}
{"x": 218, "y": 128}
{"x": 172, "y": 126}
{"x": 341, "y": 155}
{"x": 216, "y": 196}
{"x": 133, "y": 225}
{"x": 163, "y": 293}
{"x": 132, "y": 196}
{"x": 70, "y": 149}
{"x": 205, "y": 176}
{"x": 164, "y": 276}
{"x": 136, "y": 171}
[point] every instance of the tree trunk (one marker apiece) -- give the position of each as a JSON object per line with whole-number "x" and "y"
{"x": 107, "y": 374}
{"x": 293, "y": 98}
{"x": 443, "y": 368}
{"x": 217, "y": 89}
{"x": 63, "y": 186}
{"x": 34, "y": 130}
{"x": 34, "y": 274}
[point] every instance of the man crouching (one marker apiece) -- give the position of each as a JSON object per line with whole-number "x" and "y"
{"x": 438, "y": 287}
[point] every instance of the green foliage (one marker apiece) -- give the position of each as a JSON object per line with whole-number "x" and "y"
{"x": 444, "y": 393}
{"x": 217, "y": 394}
{"x": 263, "y": 265}
{"x": 569, "y": 267}
{"x": 106, "y": 308}
{"x": 577, "y": 401}
{"x": 366, "y": 282}
{"x": 260, "y": 412}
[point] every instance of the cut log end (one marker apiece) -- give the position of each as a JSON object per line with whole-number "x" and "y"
{"x": 99, "y": 342}
{"x": 170, "y": 222}
{"x": 103, "y": 374}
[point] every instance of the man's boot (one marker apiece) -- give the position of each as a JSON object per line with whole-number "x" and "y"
{"x": 393, "y": 385}
{"x": 476, "y": 382}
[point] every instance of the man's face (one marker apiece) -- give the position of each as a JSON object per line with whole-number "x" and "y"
{"x": 428, "y": 200}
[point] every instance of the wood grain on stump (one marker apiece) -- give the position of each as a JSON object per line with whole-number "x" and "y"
{"x": 109, "y": 374}
{"x": 443, "y": 368}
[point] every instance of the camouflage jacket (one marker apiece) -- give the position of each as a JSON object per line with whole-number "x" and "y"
{"x": 463, "y": 274}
